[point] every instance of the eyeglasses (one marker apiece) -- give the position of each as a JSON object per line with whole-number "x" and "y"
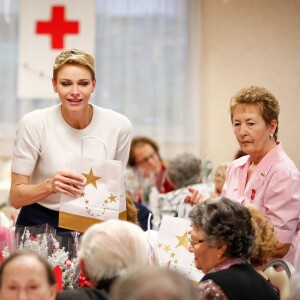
{"x": 146, "y": 159}
{"x": 194, "y": 243}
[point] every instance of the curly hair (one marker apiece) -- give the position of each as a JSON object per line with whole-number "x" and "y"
{"x": 266, "y": 242}
{"x": 225, "y": 221}
{"x": 260, "y": 97}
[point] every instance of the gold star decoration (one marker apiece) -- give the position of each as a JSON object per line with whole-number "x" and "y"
{"x": 183, "y": 240}
{"x": 86, "y": 201}
{"x": 167, "y": 248}
{"x": 173, "y": 254}
{"x": 83, "y": 194}
{"x": 112, "y": 198}
{"x": 91, "y": 178}
{"x": 159, "y": 245}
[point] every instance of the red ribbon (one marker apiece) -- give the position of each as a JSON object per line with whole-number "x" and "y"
{"x": 58, "y": 276}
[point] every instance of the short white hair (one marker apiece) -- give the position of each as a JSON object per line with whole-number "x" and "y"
{"x": 112, "y": 248}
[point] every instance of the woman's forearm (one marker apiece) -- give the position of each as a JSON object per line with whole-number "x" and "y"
{"x": 22, "y": 193}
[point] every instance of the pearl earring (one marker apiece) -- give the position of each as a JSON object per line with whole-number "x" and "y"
{"x": 271, "y": 135}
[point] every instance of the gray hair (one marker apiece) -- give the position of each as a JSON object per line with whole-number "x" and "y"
{"x": 112, "y": 248}
{"x": 184, "y": 170}
{"x": 225, "y": 221}
{"x": 154, "y": 283}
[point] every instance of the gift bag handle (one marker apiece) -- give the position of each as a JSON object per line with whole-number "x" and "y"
{"x": 92, "y": 137}
{"x": 181, "y": 209}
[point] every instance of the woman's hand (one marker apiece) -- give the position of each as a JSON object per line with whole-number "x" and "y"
{"x": 195, "y": 196}
{"x": 69, "y": 183}
{"x": 23, "y": 193}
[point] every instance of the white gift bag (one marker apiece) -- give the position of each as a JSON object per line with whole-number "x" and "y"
{"x": 172, "y": 246}
{"x": 103, "y": 196}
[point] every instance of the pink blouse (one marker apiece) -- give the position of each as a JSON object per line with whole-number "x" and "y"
{"x": 274, "y": 188}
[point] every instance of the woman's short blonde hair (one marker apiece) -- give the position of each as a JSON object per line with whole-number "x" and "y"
{"x": 73, "y": 57}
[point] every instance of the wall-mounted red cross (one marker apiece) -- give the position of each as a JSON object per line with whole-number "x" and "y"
{"x": 57, "y": 27}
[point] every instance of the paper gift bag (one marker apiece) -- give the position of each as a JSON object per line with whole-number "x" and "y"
{"x": 103, "y": 196}
{"x": 172, "y": 246}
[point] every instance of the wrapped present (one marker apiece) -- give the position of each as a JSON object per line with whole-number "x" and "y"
{"x": 60, "y": 250}
{"x": 38, "y": 238}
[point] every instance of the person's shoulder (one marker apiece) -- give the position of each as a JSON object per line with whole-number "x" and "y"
{"x": 83, "y": 293}
{"x": 38, "y": 115}
{"x": 281, "y": 164}
{"x": 112, "y": 114}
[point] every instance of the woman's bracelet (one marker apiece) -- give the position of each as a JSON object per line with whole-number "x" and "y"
{"x": 49, "y": 185}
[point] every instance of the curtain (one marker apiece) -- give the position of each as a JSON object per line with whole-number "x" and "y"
{"x": 147, "y": 67}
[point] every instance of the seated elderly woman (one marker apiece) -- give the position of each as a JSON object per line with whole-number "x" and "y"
{"x": 108, "y": 250}
{"x": 26, "y": 275}
{"x": 183, "y": 171}
{"x": 153, "y": 283}
{"x": 222, "y": 240}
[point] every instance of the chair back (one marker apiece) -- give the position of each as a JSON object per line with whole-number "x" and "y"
{"x": 279, "y": 271}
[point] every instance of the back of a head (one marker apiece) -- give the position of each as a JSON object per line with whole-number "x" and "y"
{"x": 132, "y": 212}
{"x": 154, "y": 283}
{"x": 219, "y": 176}
{"x": 112, "y": 248}
{"x": 184, "y": 170}
{"x": 265, "y": 239}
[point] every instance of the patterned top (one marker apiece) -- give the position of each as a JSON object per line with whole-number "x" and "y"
{"x": 172, "y": 203}
{"x": 208, "y": 289}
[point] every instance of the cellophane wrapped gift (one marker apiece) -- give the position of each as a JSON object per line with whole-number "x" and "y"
{"x": 37, "y": 238}
{"x": 60, "y": 250}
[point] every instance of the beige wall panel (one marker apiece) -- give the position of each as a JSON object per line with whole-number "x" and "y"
{"x": 253, "y": 42}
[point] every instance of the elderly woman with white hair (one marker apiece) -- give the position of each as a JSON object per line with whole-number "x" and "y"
{"x": 107, "y": 251}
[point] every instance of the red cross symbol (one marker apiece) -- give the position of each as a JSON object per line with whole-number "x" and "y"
{"x": 57, "y": 27}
